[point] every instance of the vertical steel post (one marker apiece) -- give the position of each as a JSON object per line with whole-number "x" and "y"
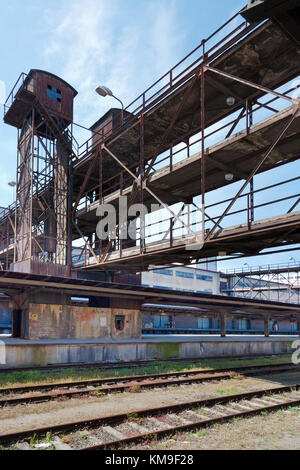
{"x": 267, "y": 326}
{"x": 203, "y": 151}
{"x": 100, "y": 190}
{"x": 223, "y": 325}
{"x": 142, "y": 175}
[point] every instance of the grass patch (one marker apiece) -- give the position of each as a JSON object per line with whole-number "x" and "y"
{"x": 228, "y": 391}
{"x": 32, "y": 377}
{"x": 34, "y": 440}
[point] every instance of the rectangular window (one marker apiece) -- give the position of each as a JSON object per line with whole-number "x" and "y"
{"x": 164, "y": 272}
{"x": 186, "y": 290}
{"x": 162, "y": 287}
{"x": 184, "y": 274}
{"x": 53, "y": 93}
{"x": 204, "y": 323}
{"x": 294, "y": 326}
{"x": 120, "y": 322}
{"x": 202, "y": 277}
{"x": 162, "y": 321}
{"x": 240, "y": 325}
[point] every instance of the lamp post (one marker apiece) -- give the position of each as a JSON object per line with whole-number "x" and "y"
{"x": 105, "y": 91}
{"x": 12, "y": 184}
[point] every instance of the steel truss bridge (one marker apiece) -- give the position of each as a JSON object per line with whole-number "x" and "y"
{"x": 197, "y": 138}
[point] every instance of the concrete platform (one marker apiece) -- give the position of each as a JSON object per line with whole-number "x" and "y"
{"x": 21, "y": 353}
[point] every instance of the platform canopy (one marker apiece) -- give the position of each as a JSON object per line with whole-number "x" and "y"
{"x": 13, "y": 284}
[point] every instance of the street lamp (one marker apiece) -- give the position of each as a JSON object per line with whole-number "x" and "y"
{"x": 12, "y": 184}
{"x": 105, "y": 91}
{"x": 292, "y": 259}
{"x": 229, "y": 177}
{"x": 230, "y": 101}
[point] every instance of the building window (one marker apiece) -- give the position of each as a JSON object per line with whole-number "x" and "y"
{"x": 204, "y": 323}
{"x": 203, "y": 277}
{"x": 54, "y": 93}
{"x": 184, "y": 274}
{"x": 223, "y": 285}
{"x": 294, "y": 326}
{"x": 164, "y": 272}
{"x": 241, "y": 324}
{"x": 120, "y": 322}
{"x": 162, "y": 287}
{"x": 163, "y": 321}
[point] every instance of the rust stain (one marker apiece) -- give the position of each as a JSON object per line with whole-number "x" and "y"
{"x": 82, "y": 317}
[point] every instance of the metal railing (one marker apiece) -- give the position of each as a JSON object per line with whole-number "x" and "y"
{"x": 169, "y": 231}
{"x": 16, "y": 88}
{"x": 122, "y": 180}
{"x": 209, "y": 49}
{"x": 264, "y": 268}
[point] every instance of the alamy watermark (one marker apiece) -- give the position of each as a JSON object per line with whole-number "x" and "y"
{"x": 296, "y": 354}
{"x": 129, "y": 223}
{"x": 2, "y": 353}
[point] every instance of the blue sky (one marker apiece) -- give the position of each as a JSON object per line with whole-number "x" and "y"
{"x": 125, "y": 45}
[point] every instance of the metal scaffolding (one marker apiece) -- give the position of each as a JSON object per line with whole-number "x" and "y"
{"x": 189, "y": 105}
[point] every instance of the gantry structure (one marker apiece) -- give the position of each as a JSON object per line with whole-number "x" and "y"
{"x": 279, "y": 282}
{"x": 225, "y": 114}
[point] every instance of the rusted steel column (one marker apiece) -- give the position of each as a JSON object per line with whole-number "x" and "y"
{"x": 203, "y": 151}
{"x": 69, "y": 259}
{"x": 142, "y": 177}
{"x": 267, "y": 326}
{"x": 223, "y": 325}
{"x": 100, "y": 191}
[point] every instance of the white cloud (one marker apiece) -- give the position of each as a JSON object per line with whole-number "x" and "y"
{"x": 111, "y": 44}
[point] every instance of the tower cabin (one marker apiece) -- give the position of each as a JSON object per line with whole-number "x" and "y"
{"x": 54, "y": 93}
{"x": 108, "y": 124}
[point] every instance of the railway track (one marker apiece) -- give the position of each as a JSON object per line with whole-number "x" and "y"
{"x": 98, "y": 387}
{"x": 119, "y": 430}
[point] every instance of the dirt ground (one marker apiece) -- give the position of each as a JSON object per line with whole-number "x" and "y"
{"x": 276, "y": 431}
{"x": 13, "y": 419}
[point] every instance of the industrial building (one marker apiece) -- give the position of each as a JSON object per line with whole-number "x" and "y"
{"x": 254, "y": 283}
{"x": 179, "y": 173}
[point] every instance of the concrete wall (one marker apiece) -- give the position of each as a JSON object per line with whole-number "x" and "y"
{"x": 42, "y": 321}
{"x": 18, "y": 355}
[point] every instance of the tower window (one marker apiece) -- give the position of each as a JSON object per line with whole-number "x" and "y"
{"x": 54, "y": 93}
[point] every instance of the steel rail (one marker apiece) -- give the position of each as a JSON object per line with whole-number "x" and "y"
{"x": 142, "y": 413}
{"x": 159, "y": 433}
{"x": 141, "y": 382}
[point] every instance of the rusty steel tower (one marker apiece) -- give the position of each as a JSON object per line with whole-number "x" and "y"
{"x": 41, "y": 108}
